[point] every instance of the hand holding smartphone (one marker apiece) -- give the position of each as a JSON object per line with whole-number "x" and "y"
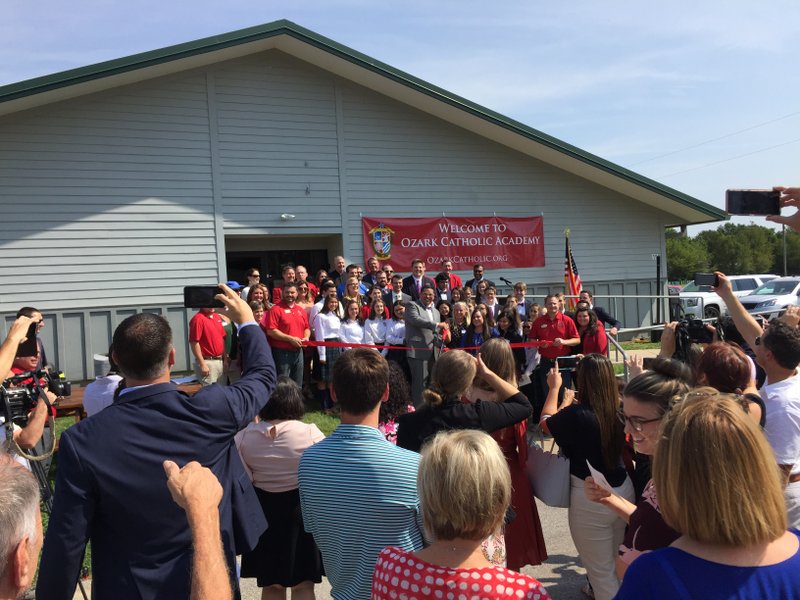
{"x": 753, "y": 202}
{"x": 202, "y": 296}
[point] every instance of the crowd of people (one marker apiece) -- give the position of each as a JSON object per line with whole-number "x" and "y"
{"x": 411, "y": 320}
{"x": 684, "y": 480}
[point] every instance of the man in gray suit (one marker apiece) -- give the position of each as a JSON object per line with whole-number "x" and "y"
{"x": 423, "y": 330}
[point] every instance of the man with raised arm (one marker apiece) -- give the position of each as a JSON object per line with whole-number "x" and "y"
{"x": 110, "y": 484}
{"x": 777, "y": 350}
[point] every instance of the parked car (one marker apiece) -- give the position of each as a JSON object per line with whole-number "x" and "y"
{"x": 772, "y": 298}
{"x": 702, "y": 302}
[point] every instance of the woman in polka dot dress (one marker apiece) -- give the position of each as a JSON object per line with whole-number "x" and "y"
{"x": 464, "y": 489}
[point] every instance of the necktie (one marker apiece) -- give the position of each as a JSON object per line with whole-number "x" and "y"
{"x": 419, "y": 286}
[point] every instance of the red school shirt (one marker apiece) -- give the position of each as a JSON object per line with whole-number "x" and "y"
{"x": 546, "y": 330}
{"x": 209, "y": 332}
{"x": 292, "y": 321}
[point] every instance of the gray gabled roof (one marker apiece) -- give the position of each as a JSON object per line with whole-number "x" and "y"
{"x": 42, "y": 90}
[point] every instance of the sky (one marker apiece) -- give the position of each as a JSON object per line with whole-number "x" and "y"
{"x": 699, "y": 95}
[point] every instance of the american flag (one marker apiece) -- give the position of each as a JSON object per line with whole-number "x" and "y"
{"x": 572, "y": 280}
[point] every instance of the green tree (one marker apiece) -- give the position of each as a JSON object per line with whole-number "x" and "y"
{"x": 685, "y": 257}
{"x": 739, "y": 249}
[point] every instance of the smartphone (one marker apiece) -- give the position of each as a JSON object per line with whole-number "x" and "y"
{"x": 567, "y": 362}
{"x": 647, "y": 362}
{"x": 202, "y": 296}
{"x": 752, "y": 202}
{"x": 711, "y": 279}
{"x": 30, "y": 346}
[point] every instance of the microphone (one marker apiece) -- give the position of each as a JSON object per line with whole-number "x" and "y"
{"x": 506, "y": 281}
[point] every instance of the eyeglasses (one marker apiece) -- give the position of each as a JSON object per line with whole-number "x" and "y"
{"x": 255, "y": 276}
{"x": 636, "y": 423}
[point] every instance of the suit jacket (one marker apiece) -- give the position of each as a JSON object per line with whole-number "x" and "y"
{"x": 111, "y": 486}
{"x": 410, "y": 286}
{"x": 471, "y": 282}
{"x": 420, "y": 331}
{"x": 605, "y": 318}
{"x": 387, "y": 298}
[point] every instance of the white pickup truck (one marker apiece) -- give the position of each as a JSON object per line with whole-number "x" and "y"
{"x": 701, "y": 302}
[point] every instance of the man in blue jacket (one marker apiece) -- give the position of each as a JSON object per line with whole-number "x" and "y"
{"x": 110, "y": 485}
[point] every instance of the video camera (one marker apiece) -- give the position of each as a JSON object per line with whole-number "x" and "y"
{"x": 18, "y": 398}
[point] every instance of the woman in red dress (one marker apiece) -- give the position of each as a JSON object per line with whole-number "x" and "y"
{"x": 524, "y": 537}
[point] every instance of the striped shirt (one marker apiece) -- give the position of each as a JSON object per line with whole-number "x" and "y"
{"x": 358, "y": 494}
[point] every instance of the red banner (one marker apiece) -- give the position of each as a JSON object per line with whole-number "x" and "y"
{"x": 495, "y": 242}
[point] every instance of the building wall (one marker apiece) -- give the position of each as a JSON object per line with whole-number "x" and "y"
{"x": 114, "y": 201}
{"x": 107, "y": 198}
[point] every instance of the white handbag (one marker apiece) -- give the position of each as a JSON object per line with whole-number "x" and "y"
{"x": 548, "y": 474}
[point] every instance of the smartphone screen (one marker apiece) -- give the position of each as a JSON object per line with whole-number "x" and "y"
{"x": 706, "y": 279}
{"x": 201, "y": 296}
{"x": 29, "y": 347}
{"x": 647, "y": 361}
{"x": 752, "y": 202}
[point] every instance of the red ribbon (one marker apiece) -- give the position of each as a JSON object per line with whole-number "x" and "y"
{"x": 376, "y": 347}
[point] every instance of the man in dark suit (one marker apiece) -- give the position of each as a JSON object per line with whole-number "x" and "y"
{"x": 523, "y": 304}
{"x": 413, "y": 284}
{"x": 443, "y": 291}
{"x": 111, "y": 486}
{"x": 602, "y": 314}
{"x": 423, "y": 323}
{"x": 396, "y": 293}
{"x": 477, "y": 277}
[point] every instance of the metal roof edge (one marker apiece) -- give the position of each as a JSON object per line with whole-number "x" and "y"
{"x": 243, "y": 36}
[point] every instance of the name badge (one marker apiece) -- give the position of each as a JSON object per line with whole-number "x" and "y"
{"x": 543, "y": 326}
{"x": 287, "y": 311}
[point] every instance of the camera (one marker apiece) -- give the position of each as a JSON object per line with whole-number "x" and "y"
{"x": 696, "y": 331}
{"x": 567, "y": 363}
{"x": 17, "y": 398}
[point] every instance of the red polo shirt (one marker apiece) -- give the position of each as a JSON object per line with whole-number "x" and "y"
{"x": 291, "y": 321}
{"x": 209, "y": 332}
{"x": 546, "y": 330}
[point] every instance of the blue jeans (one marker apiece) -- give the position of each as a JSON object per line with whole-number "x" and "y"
{"x": 289, "y": 363}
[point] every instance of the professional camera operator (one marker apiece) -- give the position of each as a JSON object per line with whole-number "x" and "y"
{"x": 11, "y": 365}
{"x": 20, "y": 529}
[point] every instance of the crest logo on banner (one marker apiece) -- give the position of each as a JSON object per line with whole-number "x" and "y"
{"x": 382, "y": 241}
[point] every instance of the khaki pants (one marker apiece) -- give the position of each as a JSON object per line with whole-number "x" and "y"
{"x": 597, "y": 532}
{"x": 216, "y": 374}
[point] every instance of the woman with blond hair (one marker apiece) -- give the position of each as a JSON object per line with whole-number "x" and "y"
{"x": 464, "y": 490}
{"x": 719, "y": 485}
{"x": 452, "y": 377}
{"x": 523, "y": 536}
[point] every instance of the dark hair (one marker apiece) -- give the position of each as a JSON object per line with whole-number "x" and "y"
{"x": 350, "y": 267}
{"x": 513, "y": 316}
{"x": 395, "y": 305}
{"x": 592, "y": 327}
{"x": 397, "y": 276}
{"x": 252, "y": 271}
{"x": 597, "y": 386}
{"x": 724, "y": 367}
{"x": 325, "y": 302}
{"x": 360, "y": 377}
{"x": 587, "y": 292}
{"x": 346, "y": 310}
{"x": 285, "y": 403}
{"x": 27, "y": 311}
{"x": 783, "y": 341}
{"x": 289, "y": 284}
{"x": 141, "y": 346}
{"x": 665, "y": 380}
{"x": 399, "y": 394}
{"x": 442, "y": 277}
{"x": 112, "y": 366}
{"x": 373, "y": 314}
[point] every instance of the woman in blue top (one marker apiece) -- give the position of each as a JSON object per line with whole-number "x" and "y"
{"x": 719, "y": 485}
{"x": 481, "y": 328}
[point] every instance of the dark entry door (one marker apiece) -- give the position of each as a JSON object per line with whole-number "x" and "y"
{"x": 269, "y": 262}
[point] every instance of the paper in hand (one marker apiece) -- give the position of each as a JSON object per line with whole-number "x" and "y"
{"x": 600, "y": 479}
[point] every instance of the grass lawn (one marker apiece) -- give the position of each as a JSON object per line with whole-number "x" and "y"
{"x": 639, "y": 345}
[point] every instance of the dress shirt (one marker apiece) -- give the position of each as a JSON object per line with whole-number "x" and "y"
{"x": 395, "y": 332}
{"x": 326, "y": 326}
{"x": 375, "y": 331}
{"x": 351, "y": 332}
